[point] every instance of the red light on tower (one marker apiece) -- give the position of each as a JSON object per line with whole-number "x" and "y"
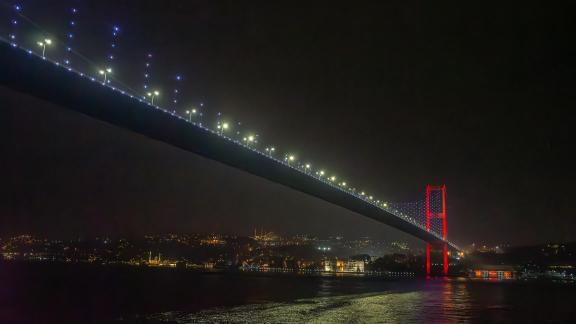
{"x": 436, "y": 214}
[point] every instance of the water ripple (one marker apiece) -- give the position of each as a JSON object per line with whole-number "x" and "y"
{"x": 449, "y": 305}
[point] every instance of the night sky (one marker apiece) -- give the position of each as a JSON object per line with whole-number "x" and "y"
{"x": 390, "y": 95}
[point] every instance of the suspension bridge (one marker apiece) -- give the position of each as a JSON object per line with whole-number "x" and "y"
{"x": 30, "y": 71}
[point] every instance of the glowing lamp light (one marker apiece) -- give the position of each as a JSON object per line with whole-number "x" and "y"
{"x": 105, "y": 73}
{"x": 270, "y": 150}
{"x": 191, "y": 112}
{"x": 222, "y": 127}
{"x": 43, "y": 44}
{"x": 153, "y": 95}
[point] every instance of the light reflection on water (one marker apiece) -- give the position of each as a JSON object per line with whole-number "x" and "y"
{"x": 437, "y": 302}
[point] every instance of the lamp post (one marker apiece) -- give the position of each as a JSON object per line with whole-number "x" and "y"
{"x": 290, "y": 158}
{"x": 249, "y": 139}
{"x": 191, "y": 112}
{"x": 270, "y": 150}
{"x": 105, "y": 73}
{"x": 153, "y": 95}
{"x": 222, "y": 127}
{"x": 43, "y": 44}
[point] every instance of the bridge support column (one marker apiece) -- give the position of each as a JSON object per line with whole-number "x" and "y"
{"x": 436, "y": 212}
{"x": 428, "y": 247}
{"x": 445, "y": 263}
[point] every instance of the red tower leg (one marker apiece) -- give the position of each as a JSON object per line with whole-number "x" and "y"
{"x": 427, "y": 259}
{"x": 445, "y": 259}
{"x": 428, "y": 214}
{"x": 444, "y": 230}
{"x": 441, "y": 214}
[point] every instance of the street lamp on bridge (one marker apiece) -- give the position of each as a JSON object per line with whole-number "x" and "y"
{"x": 105, "y": 73}
{"x": 290, "y": 158}
{"x": 43, "y": 44}
{"x": 191, "y": 112}
{"x": 222, "y": 127}
{"x": 270, "y": 150}
{"x": 153, "y": 95}
{"x": 250, "y": 139}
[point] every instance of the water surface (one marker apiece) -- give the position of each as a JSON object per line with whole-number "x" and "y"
{"x": 76, "y": 293}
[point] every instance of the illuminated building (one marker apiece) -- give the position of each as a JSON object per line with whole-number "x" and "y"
{"x": 354, "y": 266}
{"x": 494, "y": 272}
{"x": 158, "y": 262}
{"x": 213, "y": 240}
{"x": 266, "y": 238}
{"x": 345, "y": 266}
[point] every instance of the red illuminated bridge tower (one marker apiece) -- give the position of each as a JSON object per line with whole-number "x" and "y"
{"x": 436, "y": 210}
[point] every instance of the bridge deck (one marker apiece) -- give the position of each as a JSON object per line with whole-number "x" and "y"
{"x": 31, "y": 74}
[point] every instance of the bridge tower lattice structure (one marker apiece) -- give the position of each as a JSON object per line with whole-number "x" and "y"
{"x": 431, "y": 213}
{"x": 436, "y": 210}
